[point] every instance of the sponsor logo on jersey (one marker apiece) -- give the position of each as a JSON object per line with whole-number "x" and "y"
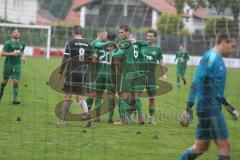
{"x": 149, "y": 57}
{"x": 81, "y": 44}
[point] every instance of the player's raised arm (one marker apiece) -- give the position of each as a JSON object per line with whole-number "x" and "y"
{"x": 142, "y": 43}
{"x": 125, "y": 44}
{"x": 99, "y": 44}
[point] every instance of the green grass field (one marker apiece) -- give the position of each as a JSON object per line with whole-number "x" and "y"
{"x": 38, "y": 137}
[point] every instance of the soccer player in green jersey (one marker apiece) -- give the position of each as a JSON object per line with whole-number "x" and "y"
{"x": 101, "y": 37}
{"x": 182, "y": 57}
{"x": 153, "y": 56}
{"x": 129, "y": 69}
{"x": 103, "y": 79}
{"x": 13, "y": 50}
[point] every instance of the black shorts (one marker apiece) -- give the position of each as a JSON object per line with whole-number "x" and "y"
{"x": 74, "y": 83}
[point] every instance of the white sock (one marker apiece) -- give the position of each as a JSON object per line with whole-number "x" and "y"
{"x": 84, "y": 106}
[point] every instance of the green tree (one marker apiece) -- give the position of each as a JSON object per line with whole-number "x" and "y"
{"x": 179, "y": 4}
{"x": 215, "y": 24}
{"x": 57, "y": 8}
{"x": 169, "y": 23}
{"x": 222, "y": 5}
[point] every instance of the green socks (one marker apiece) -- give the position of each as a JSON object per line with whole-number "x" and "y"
{"x": 138, "y": 105}
{"x": 2, "y": 88}
{"x": 89, "y": 103}
{"x": 151, "y": 110}
{"x": 123, "y": 105}
{"x": 98, "y": 106}
{"x": 15, "y": 92}
{"x": 111, "y": 106}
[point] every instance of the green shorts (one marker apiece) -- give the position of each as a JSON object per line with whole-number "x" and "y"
{"x": 90, "y": 84}
{"x": 181, "y": 69}
{"x": 149, "y": 82}
{"x": 90, "y": 78}
{"x": 11, "y": 71}
{"x": 103, "y": 81}
{"x": 130, "y": 81}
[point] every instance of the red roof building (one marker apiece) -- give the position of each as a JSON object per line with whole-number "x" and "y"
{"x": 44, "y": 17}
{"x": 162, "y": 6}
{"x": 142, "y": 13}
{"x": 73, "y": 16}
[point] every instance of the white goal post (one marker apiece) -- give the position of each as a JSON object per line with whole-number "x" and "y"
{"x": 48, "y": 28}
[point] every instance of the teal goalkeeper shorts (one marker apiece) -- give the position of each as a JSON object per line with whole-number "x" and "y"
{"x": 211, "y": 127}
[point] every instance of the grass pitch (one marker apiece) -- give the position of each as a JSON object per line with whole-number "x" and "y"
{"x": 29, "y": 131}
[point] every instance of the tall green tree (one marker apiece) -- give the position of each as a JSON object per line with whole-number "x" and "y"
{"x": 179, "y": 4}
{"x": 171, "y": 24}
{"x": 222, "y": 5}
{"x": 216, "y": 24}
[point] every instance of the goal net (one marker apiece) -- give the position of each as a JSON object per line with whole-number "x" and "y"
{"x": 36, "y": 37}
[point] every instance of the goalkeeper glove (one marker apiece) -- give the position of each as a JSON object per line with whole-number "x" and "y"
{"x": 187, "y": 115}
{"x": 234, "y": 113}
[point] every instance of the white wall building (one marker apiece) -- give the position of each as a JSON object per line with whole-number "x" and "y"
{"x": 19, "y": 11}
{"x": 139, "y": 13}
{"x": 194, "y": 20}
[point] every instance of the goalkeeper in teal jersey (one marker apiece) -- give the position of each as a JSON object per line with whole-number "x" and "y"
{"x": 208, "y": 88}
{"x": 182, "y": 57}
{"x": 152, "y": 56}
{"x": 103, "y": 79}
{"x": 129, "y": 70}
{"x": 13, "y": 50}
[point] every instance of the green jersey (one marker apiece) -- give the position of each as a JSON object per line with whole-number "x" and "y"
{"x": 131, "y": 53}
{"x": 98, "y": 47}
{"x": 10, "y": 46}
{"x": 105, "y": 58}
{"x": 182, "y": 57}
{"x": 151, "y": 57}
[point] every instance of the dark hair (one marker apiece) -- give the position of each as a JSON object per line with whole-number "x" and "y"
{"x": 100, "y": 31}
{"x": 77, "y": 29}
{"x": 14, "y": 28}
{"x": 225, "y": 35}
{"x": 180, "y": 44}
{"x": 111, "y": 36}
{"x": 152, "y": 31}
{"x": 125, "y": 28}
